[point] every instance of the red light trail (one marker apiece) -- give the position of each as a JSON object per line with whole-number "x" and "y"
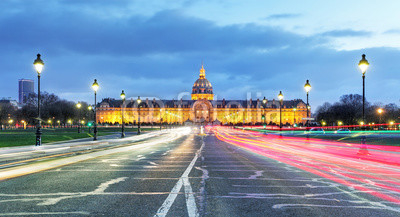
{"x": 372, "y": 169}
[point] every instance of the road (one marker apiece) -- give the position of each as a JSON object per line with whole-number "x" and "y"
{"x": 224, "y": 173}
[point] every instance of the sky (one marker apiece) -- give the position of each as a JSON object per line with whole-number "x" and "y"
{"x": 250, "y": 49}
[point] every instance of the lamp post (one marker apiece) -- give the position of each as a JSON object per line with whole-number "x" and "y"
{"x": 380, "y": 111}
{"x": 264, "y": 102}
{"x": 280, "y": 97}
{"x": 90, "y": 109}
{"x": 78, "y": 106}
{"x": 138, "y": 102}
{"x": 122, "y": 114}
{"x": 294, "y": 116}
{"x": 39, "y": 64}
{"x": 363, "y": 65}
{"x": 95, "y": 87}
{"x": 307, "y": 87}
{"x": 160, "y": 120}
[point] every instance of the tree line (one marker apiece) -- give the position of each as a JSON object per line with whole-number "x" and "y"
{"x": 54, "y": 111}
{"x": 348, "y": 111}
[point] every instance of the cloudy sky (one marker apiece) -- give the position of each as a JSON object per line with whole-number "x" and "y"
{"x": 154, "y": 48}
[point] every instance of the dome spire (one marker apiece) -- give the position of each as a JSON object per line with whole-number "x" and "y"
{"x": 202, "y": 72}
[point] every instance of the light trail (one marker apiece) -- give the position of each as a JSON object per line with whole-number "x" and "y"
{"x": 372, "y": 169}
{"x": 17, "y": 171}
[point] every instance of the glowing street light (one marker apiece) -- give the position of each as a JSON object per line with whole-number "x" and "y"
{"x": 340, "y": 123}
{"x": 78, "y": 106}
{"x": 264, "y": 103}
{"x": 95, "y": 87}
{"x": 280, "y": 97}
{"x": 294, "y": 116}
{"x": 138, "y": 102}
{"x": 39, "y": 64}
{"x": 363, "y": 65}
{"x": 160, "y": 119}
{"x": 307, "y": 87}
{"x": 380, "y": 111}
{"x": 122, "y": 114}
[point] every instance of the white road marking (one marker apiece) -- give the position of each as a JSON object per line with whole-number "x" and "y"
{"x": 257, "y": 174}
{"x": 100, "y": 189}
{"x": 184, "y": 180}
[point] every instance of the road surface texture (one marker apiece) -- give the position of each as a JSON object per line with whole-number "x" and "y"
{"x": 224, "y": 173}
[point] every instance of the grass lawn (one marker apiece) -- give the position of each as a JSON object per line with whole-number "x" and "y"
{"x": 22, "y": 137}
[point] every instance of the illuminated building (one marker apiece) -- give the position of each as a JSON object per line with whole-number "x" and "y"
{"x": 201, "y": 108}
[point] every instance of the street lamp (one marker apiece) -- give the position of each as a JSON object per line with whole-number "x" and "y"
{"x": 380, "y": 111}
{"x": 160, "y": 120}
{"x": 280, "y": 97}
{"x": 78, "y": 106}
{"x": 307, "y": 87}
{"x": 95, "y": 87}
{"x": 122, "y": 114}
{"x": 138, "y": 102}
{"x": 264, "y": 102}
{"x": 363, "y": 65}
{"x": 39, "y": 64}
{"x": 294, "y": 116}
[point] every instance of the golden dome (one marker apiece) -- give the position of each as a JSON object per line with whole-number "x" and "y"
{"x": 202, "y": 88}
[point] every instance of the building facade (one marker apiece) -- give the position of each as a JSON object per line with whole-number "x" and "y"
{"x": 25, "y": 87}
{"x": 202, "y": 108}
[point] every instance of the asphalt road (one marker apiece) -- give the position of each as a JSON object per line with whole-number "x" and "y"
{"x": 186, "y": 174}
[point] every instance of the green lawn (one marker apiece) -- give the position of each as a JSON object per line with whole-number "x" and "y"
{"x": 27, "y": 137}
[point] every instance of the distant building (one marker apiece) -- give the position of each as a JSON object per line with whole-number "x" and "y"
{"x": 8, "y": 100}
{"x": 202, "y": 108}
{"x": 25, "y": 87}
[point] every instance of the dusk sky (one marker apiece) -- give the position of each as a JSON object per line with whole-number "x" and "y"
{"x": 155, "y": 48}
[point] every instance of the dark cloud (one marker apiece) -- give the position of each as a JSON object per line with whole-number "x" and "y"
{"x": 165, "y": 32}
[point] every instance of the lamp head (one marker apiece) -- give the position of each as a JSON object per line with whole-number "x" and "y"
{"x": 123, "y": 95}
{"x": 78, "y": 105}
{"x": 363, "y": 64}
{"x": 280, "y": 96}
{"x": 264, "y": 101}
{"x": 39, "y": 64}
{"x": 95, "y": 85}
{"x": 138, "y": 100}
{"x": 307, "y": 86}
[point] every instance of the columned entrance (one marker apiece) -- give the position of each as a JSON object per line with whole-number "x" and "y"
{"x": 202, "y": 111}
